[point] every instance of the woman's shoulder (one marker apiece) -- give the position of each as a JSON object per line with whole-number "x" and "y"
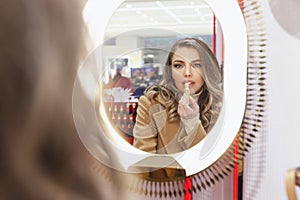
{"x": 151, "y": 105}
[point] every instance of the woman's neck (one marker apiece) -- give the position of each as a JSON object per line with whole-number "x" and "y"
{"x": 197, "y": 94}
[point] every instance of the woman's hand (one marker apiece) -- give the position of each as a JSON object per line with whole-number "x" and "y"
{"x": 188, "y": 107}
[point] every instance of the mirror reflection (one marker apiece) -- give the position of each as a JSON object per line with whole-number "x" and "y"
{"x": 163, "y": 78}
{"x": 178, "y": 112}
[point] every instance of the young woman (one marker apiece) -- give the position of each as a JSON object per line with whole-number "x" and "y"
{"x": 179, "y": 113}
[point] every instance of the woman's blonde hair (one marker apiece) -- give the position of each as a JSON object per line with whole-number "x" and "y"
{"x": 210, "y": 96}
{"x": 41, "y": 155}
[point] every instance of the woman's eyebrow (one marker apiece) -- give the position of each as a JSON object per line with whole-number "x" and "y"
{"x": 197, "y": 60}
{"x": 178, "y": 61}
{"x": 193, "y": 61}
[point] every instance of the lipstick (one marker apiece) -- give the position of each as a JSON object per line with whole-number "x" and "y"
{"x": 187, "y": 91}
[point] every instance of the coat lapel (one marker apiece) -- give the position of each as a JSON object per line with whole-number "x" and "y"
{"x": 167, "y": 132}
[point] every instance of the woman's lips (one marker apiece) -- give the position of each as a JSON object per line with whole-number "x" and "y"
{"x": 190, "y": 85}
{"x": 188, "y": 82}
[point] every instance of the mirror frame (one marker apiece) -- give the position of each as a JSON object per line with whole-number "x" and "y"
{"x": 248, "y": 96}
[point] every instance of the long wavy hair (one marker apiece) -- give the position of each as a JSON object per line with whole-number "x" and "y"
{"x": 211, "y": 93}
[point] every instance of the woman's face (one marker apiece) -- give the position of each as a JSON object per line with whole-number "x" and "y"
{"x": 186, "y": 68}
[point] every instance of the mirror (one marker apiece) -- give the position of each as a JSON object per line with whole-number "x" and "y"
{"x": 93, "y": 121}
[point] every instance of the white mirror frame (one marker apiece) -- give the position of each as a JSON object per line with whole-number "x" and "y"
{"x": 221, "y": 137}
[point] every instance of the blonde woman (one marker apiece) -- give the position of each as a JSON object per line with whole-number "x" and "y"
{"x": 180, "y": 112}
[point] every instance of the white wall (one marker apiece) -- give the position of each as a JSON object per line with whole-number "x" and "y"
{"x": 283, "y": 107}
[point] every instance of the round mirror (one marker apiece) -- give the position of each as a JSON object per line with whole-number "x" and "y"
{"x": 140, "y": 53}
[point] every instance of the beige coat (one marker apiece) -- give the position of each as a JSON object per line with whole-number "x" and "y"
{"x": 154, "y": 133}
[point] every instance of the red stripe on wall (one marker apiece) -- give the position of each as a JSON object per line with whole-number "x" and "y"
{"x": 213, "y": 42}
{"x": 188, "y": 188}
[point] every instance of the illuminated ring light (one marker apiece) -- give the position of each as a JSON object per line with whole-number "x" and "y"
{"x": 243, "y": 103}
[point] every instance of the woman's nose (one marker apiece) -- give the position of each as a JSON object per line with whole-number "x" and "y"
{"x": 187, "y": 71}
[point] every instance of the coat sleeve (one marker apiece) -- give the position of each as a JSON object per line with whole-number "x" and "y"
{"x": 144, "y": 132}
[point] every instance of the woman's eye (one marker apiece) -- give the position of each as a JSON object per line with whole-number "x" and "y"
{"x": 197, "y": 65}
{"x": 177, "y": 66}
